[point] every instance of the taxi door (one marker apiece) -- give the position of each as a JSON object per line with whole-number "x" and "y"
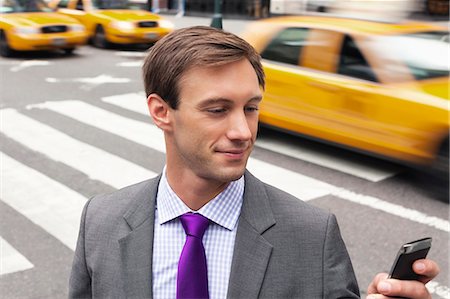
{"x": 301, "y": 91}
{"x": 358, "y": 109}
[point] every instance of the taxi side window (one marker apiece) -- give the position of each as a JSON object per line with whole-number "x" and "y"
{"x": 63, "y": 3}
{"x": 352, "y": 62}
{"x": 79, "y": 5}
{"x": 286, "y": 46}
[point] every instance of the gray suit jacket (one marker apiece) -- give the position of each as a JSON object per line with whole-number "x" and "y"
{"x": 284, "y": 247}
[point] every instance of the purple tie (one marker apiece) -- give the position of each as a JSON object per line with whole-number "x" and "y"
{"x": 192, "y": 278}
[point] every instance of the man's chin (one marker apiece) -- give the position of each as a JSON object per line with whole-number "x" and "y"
{"x": 233, "y": 174}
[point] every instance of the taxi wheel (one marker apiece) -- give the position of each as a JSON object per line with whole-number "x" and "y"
{"x": 69, "y": 51}
{"x": 99, "y": 39}
{"x": 440, "y": 167}
{"x": 442, "y": 160}
{"x": 5, "y": 50}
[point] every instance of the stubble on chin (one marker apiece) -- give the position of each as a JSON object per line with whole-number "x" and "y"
{"x": 229, "y": 175}
{"x": 222, "y": 174}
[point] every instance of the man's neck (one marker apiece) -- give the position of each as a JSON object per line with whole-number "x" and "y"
{"x": 193, "y": 190}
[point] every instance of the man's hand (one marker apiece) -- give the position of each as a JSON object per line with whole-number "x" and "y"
{"x": 381, "y": 287}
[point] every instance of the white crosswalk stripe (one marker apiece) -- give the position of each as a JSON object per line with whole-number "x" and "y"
{"x": 372, "y": 173}
{"x": 135, "y": 102}
{"x": 46, "y": 202}
{"x": 96, "y": 163}
{"x": 136, "y": 131}
{"x": 296, "y": 184}
{"x": 11, "y": 260}
{"x": 57, "y": 208}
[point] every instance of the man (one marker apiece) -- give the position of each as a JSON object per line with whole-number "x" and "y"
{"x": 203, "y": 89}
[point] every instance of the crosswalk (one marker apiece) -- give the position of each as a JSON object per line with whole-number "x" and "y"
{"x": 39, "y": 197}
{"x": 12, "y": 260}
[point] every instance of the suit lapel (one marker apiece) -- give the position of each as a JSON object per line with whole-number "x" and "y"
{"x": 251, "y": 251}
{"x": 136, "y": 248}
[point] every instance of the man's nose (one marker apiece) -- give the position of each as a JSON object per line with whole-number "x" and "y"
{"x": 239, "y": 127}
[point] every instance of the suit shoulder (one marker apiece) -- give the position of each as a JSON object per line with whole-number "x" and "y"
{"x": 119, "y": 201}
{"x": 289, "y": 204}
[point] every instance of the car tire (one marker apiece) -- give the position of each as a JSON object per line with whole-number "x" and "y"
{"x": 322, "y": 9}
{"x": 441, "y": 173}
{"x": 438, "y": 173}
{"x": 69, "y": 51}
{"x": 441, "y": 164}
{"x": 99, "y": 40}
{"x": 5, "y": 50}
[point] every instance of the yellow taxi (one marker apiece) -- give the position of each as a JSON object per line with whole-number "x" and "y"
{"x": 32, "y": 26}
{"x": 377, "y": 87}
{"x": 115, "y": 21}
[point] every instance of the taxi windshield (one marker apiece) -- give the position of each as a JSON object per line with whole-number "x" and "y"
{"x": 426, "y": 54}
{"x": 14, "y": 6}
{"x": 111, "y": 4}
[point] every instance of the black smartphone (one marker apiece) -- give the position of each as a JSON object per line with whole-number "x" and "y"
{"x": 408, "y": 253}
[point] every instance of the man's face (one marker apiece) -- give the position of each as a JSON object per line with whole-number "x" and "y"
{"x": 215, "y": 125}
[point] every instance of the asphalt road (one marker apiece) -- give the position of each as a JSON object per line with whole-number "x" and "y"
{"x": 76, "y": 126}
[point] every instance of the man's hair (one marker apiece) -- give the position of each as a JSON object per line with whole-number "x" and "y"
{"x": 176, "y": 53}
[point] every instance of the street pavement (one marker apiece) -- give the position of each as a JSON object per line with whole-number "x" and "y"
{"x": 71, "y": 131}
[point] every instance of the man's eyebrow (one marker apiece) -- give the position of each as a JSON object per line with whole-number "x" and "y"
{"x": 215, "y": 101}
{"x": 257, "y": 98}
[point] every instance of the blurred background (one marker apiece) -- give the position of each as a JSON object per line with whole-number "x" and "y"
{"x": 265, "y": 8}
{"x": 355, "y": 119}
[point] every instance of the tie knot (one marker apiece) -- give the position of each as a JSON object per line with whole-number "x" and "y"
{"x": 194, "y": 224}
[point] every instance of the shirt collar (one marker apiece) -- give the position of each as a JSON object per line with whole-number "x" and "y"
{"x": 224, "y": 209}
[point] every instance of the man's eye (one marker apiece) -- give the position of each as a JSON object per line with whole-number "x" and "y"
{"x": 251, "y": 109}
{"x": 216, "y": 110}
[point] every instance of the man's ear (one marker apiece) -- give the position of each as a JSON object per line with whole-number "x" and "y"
{"x": 159, "y": 111}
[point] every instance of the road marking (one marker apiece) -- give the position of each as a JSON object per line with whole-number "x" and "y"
{"x": 11, "y": 260}
{"x": 440, "y": 290}
{"x": 136, "y": 131}
{"x": 130, "y": 64}
{"x": 299, "y": 185}
{"x": 392, "y": 209}
{"x": 47, "y": 203}
{"x": 94, "y": 162}
{"x": 130, "y": 54}
{"x": 294, "y": 183}
{"x": 29, "y": 63}
{"x": 371, "y": 173}
{"x": 136, "y": 102}
{"x": 90, "y": 82}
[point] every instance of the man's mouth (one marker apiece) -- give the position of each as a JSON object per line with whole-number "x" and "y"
{"x": 233, "y": 153}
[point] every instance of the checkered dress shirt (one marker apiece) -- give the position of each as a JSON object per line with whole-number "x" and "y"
{"x": 218, "y": 239}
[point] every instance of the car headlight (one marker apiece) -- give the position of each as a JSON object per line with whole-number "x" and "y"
{"x": 26, "y": 30}
{"x": 166, "y": 24}
{"x": 122, "y": 25}
{"x": 77, "y": 28}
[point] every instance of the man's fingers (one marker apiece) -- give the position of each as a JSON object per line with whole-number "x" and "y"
{"x": 372, "y": 289}
{"x": 427, "y": 268}
{"x": 377, "y": 296}
{"x": 407, "y": 288}
{"x": 381, "y": 287}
